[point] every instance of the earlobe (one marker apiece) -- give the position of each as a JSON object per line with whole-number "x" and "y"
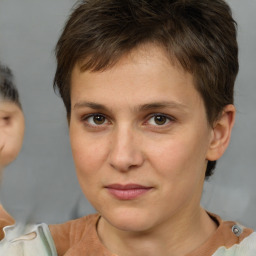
{"x": 221, "y": 133}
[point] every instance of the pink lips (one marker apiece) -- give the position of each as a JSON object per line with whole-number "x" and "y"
{"x": 128, "y": 191}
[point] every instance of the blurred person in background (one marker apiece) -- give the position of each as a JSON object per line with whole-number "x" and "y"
{"x": 11, "y": 130}
{"x": 22, "y": 239}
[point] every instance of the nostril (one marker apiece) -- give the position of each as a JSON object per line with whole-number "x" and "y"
{"x": 125, "y": 153}
{"x": 126, "y": 161}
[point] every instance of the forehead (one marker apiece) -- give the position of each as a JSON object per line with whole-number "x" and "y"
{"x": 8, "y": 106}
{"x": 144, "y": 67}
{"x": 143, "y": 81}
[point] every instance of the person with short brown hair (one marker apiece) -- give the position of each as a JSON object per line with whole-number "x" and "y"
{"x": 22, "y": 238}
{"x": 148, "y": 87}
{"x": 11, "y": 130}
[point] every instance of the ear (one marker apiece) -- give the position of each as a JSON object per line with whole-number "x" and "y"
{"x": 221, "y": 133}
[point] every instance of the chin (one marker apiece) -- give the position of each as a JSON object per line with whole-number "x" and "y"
{"x": 132, "y": 221}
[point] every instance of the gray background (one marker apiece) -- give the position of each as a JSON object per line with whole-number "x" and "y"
{"x": 41, "y": 184}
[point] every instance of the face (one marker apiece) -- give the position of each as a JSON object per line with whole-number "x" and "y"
{"x": 140, "y": 138}
{"x": 11, "y": 131}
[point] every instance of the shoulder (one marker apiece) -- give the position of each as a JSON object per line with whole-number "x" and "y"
{"x": 229, "y": 238}
{"x": 246, "y": 247}
{"x": 36, "y": 241}
{"x": 5, "y": 220}
{"x": 78, "y": 225}
{"x": 67, "y": 234}
{"x": 231, "y": 232}
{"x": 234, "y": 239}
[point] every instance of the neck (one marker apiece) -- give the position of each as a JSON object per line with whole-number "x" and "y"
{"x": 173, "y": 237}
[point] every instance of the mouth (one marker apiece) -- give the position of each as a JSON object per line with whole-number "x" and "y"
{"x": 127, "y": 191}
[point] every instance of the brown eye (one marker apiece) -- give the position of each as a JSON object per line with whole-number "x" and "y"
{"x": 99, "y": 119}
{"x": 95, "y": 120}
{"x": 160, "y": 120}
{"x": 5, "y": 120}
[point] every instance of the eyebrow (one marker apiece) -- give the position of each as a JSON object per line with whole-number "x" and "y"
{"x": 140, "y": 108}
{"x": 92, "y": 105}
{"x": 164, "y": 104}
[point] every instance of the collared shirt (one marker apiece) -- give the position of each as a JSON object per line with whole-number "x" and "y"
{"x": 24, "y": 240}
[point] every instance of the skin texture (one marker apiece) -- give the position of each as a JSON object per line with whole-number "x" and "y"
{"x": 116, "y": 138}
{"x": 12, "y": 127}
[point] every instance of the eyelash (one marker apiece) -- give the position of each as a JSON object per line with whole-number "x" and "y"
{"x": 169, "y": 119}
{"x": 84, "y": 119}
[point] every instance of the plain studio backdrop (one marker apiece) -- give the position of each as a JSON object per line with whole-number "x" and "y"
{"x": 41, "y": 184}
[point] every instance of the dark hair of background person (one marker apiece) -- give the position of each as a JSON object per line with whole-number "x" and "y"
{"x": 8, "y": 90}
{"x": 198, "y": 35}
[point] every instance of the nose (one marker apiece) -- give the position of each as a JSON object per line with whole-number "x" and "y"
{"x": 126, "y": 150}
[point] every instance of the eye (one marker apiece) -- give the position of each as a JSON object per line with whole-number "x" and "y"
{"x": 5, "y": 120}
{"x": 95, "y": 120}
{"x": 159, "y": 120}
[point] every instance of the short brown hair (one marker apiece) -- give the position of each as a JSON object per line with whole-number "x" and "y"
{"x": 8, "y": 90}
{"x": 198, "y": 34}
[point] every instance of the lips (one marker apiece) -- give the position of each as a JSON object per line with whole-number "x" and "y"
{"x": 127, "y": 191}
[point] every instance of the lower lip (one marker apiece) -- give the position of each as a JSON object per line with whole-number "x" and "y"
{"x": 128, "y": 194}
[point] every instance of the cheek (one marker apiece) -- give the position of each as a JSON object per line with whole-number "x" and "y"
{"x": 180, "y": 166}
{"x": 9, "y": 153}
{"x": 10, "y": 147}
{"x": 88, "y": 155}
{"x": 179, "y": 156}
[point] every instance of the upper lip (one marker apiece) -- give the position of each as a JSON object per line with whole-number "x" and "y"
{"x": 127, "y": 186}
